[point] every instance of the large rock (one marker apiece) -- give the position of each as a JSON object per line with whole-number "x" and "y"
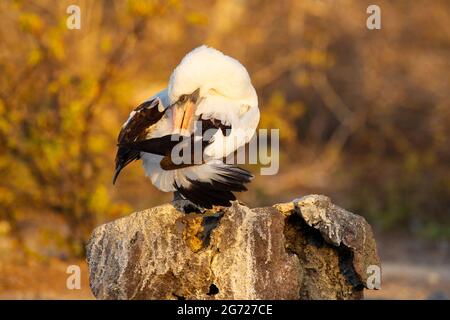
{"x": 305, "y": 249}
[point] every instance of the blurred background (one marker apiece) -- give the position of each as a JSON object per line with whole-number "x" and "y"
{"x": 364, "y": 117}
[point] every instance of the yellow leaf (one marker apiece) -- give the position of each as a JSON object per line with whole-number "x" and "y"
{"x": 29, "y": 22}
{"x": 99, "y": 200}
{"x": 34, "y": 57}
{"x": 197, "y": 18}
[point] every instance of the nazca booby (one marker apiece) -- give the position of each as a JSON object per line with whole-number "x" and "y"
{"x": 208, "y": 93}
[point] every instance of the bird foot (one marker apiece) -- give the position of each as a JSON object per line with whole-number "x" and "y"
{"x": 187, "y": 206}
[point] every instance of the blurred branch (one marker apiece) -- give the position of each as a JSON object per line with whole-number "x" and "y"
{"x": 276, "y": 69}
{"x": 23, "y": 74}
{"x": 26, "y": 72}
{"x": 24, "y": 157}
{"x": 331, "y": 99}
{"x": 349, "y": 121}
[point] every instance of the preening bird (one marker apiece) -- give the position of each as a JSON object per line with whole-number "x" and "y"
{"x": 210, "y": 105}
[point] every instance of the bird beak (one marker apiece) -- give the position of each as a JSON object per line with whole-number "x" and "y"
{"x": 183, "y": 113}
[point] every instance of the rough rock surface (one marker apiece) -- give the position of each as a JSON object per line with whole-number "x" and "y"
{"x": 305, "y": 249}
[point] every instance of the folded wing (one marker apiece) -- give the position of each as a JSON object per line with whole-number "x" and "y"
{"x": 136, "y": 128}
{"x": 147, "y": 134}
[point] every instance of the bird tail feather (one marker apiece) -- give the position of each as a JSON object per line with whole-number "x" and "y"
{"x": 212, "y": 183}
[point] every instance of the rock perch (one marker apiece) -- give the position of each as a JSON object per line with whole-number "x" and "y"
{"x": 305, "y": 249}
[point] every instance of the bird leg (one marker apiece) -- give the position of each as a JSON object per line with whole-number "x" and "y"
{"x": 184, "y": 205}
{"x": 177, "y": 196}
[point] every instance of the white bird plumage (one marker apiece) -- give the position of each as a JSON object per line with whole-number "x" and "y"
{"x": 225, "y": 94}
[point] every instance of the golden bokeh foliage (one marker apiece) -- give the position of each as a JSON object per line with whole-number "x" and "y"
{"x": 363, "y": 115}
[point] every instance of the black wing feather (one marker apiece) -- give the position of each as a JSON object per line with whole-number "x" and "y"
{"x": 145, "y": 116}
{"x": 207, "y": 194}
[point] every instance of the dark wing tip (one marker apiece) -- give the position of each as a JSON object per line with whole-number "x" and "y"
{"x": 135, "y": 129}
{"x": 124, "y": 156}
{"x": 116, "y": 174}
{"x": 217, "y": 191}
{"x": 203, "y": 195}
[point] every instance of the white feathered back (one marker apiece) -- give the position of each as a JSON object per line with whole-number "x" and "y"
{"x": 207, "y": 68}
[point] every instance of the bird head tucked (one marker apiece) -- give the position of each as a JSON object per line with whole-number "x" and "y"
{"x": 209, "y": 83}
